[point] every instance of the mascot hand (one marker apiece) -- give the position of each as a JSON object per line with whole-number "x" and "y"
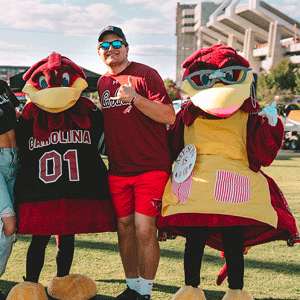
{"x": 270, "y": 112}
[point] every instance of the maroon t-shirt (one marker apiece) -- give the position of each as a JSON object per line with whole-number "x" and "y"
{"x": 135, "y": 143}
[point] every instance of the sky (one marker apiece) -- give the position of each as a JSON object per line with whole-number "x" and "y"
{"x": 30, "y": 30}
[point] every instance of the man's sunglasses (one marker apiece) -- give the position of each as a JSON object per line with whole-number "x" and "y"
{"x": 116, "y": 45}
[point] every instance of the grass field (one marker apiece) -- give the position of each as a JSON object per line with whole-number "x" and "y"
{"x": 272, "y": 271}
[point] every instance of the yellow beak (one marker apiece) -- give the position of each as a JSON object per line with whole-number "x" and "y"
{"x": 56, "y": 99}
{"x": 220, "y": 100}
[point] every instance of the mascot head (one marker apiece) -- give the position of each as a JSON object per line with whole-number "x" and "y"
{"x": 55, "y": 83}
{"x": 54, "y": 86}
{"x": 217, "y": 79}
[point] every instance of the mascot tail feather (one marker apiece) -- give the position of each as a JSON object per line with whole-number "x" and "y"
{"x": 222, "y": 275}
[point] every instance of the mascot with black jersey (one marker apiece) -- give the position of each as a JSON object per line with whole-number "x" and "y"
{"x": 61, "y": 188}
{"x": 218, "y": 195}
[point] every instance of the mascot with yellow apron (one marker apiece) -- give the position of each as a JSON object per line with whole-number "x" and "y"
{"x": 217, "y": 194}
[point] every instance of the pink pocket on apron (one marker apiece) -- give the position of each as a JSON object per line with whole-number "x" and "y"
{"x": 232, "y": 188}
{"x": 182, "y": 190}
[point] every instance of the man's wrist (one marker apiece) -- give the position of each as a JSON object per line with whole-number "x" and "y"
{"x": 128, "y": 109}
{"x": 133, "y": 99}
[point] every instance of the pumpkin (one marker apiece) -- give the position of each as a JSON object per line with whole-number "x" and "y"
{"x": 189, "y": 293}
{"x": 27, "y": 290}
{"x": 72, "y": 287}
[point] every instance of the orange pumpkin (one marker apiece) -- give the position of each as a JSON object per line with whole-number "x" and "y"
{"x": 72, "y": 287}
{"x": 27, "y": 290}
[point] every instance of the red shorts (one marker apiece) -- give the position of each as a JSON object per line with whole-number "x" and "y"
{"x": 141, "y": 193}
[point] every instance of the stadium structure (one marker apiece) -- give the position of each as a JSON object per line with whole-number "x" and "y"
{"x": 258, "y": 31}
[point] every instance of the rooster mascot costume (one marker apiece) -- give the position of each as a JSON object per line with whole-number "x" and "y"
{"x": 217, "y": 194}
{"x": 61, "y": 188}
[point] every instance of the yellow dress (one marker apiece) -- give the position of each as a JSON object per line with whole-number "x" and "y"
{"x": 222, "y": 182}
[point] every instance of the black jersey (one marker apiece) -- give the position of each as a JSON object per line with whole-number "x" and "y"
{"x": 67, "y": 165}
{"x": 8, "y": 101}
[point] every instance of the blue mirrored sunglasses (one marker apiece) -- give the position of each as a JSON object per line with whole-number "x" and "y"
{"x": 116, "y": 45}
{"x": 209, "y": 77}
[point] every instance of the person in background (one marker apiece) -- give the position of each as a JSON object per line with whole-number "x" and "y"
{"x": 136, "y": 108}
{"x": 8, "y": 172}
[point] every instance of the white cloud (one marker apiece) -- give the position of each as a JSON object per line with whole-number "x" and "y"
{"x": 291, "y": 2}
{"x": 145, "y": 27}
{"x": 44, "y": 23}
{"x": 99, "y": 11}
{"x": 82, "y": 32}
{"x": 290, "y": 10}
{"x": 6, "y": 46}
{"x": 159, "y": 3}
{"x": 136, "y": 1}
{"x": 29, "y": 14}
{"x": 152, "y": 50}
{"x": 14, "y": 58}
{"x": 166, "y": 8}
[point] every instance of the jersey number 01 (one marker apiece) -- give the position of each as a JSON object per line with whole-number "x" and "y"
{"x": 50, "y": 166}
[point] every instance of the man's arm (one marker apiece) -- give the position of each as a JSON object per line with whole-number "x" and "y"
{"x": 159, "y": 112}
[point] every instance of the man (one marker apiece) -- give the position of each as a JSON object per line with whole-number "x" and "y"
{"x": 136, "y": 109}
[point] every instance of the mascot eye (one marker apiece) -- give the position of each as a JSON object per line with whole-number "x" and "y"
{"x": 66, "y": 79}
{"x": 42, "y": 82}
{"x": 204, "y": 79}
{"x": 229, "y": 75}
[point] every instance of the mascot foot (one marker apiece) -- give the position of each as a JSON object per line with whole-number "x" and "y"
{"x": 189, "y": 293}
{"x": 237, "y": 295}
{"x": 72, "y": 287}
{"x": 27, "y": 290}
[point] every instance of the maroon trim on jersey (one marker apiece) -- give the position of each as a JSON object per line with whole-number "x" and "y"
{"x": 66, "y": 216}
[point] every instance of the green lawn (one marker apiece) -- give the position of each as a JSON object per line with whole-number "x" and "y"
{"x": 272, "y": 271}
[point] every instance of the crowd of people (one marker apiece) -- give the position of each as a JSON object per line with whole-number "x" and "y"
{"x": 135, "y": 109}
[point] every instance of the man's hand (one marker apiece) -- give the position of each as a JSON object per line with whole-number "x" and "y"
{"x": 126, "y": 92}
{"x": 270, "y": 112}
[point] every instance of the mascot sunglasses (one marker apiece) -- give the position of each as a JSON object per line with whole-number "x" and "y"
{"x": 209, "y": 77}
{"x": 116, "y": 45}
